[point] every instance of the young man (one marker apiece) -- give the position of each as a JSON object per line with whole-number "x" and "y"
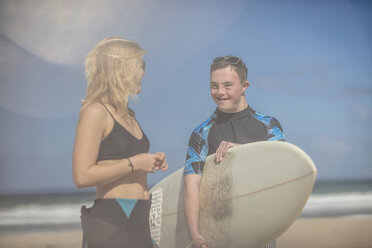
{"x": 233, "y": 123}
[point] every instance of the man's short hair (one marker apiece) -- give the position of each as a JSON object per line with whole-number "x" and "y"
{"x": 235, "y": 62}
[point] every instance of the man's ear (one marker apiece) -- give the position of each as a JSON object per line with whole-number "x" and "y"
{"x": 245, "y": 85}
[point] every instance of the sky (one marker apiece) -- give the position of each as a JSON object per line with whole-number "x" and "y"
{"x": 309, "y": 65}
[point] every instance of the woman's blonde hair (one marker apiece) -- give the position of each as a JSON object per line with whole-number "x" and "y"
{"x": 112, "y": 70}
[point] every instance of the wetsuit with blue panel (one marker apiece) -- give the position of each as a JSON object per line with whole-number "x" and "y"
{"x": 242, "y": 127}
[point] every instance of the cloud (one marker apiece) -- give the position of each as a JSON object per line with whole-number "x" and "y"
{"x": 341, "y": 157}
{"x": 43, "y": 44}
{"x": 65, "y": 31}
{"x": 299, "y": 77}
{"x": 33, "y": 87}
{"x": 331, "y": 146}
{"x": 62, "y": 31}
{"x": 357, "y": 92}
{"x": 363, "y": 112}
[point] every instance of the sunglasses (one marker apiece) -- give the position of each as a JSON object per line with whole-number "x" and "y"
{"x": 232, "y": 60}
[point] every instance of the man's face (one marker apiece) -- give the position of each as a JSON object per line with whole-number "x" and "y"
{"x": 227, "y": 90}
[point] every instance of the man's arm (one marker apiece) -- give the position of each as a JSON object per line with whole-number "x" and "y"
{"x": 191, "y": 206}
{"x": 197, "y": 152}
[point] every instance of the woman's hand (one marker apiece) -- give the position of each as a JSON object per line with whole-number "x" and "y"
{"x": 148, "y": 162}
{"x": 162, "y": 162}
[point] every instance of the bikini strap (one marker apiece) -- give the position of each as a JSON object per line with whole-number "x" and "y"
{"x": 108, "y": 111}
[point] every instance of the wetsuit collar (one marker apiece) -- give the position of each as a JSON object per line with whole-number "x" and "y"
{"x": 225, "y": 116}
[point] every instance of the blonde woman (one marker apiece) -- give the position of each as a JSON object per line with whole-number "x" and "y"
{"x": 111, "y": 149}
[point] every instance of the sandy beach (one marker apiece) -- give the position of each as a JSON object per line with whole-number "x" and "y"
{"x": 345, "y": 232}
{"x": 60, "y": 239}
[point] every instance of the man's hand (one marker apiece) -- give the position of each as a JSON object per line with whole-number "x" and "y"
{"x": 222, "y": 150}
{"x": 198, "y": 241}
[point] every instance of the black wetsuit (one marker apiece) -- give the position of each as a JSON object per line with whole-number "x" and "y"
{"x": 240, "y": 128}
{"x": 243, "y": 127}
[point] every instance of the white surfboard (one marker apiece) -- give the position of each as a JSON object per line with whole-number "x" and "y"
{"x": 247, "y": 200}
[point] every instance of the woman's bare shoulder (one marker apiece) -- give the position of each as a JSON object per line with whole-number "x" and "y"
{"x": 94, "y": 111}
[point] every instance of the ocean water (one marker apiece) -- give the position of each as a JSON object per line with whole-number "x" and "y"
{"x": 333, "y": 199}
{"x": 41, "y": 212}
{"x": 49, "y": 212}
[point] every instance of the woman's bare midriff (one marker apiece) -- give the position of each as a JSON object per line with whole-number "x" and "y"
{"x": 133, "y": 186}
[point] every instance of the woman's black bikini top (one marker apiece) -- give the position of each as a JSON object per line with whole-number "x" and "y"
{"x": 121, "y": 144}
